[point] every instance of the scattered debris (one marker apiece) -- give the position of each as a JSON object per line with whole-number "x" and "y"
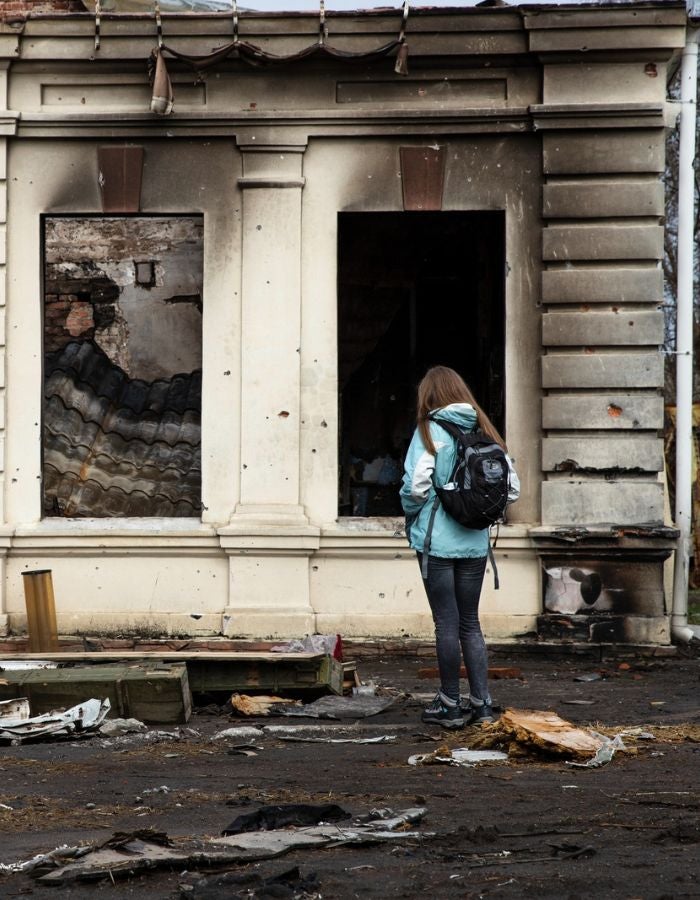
{"x": 355, "y": 707}
{"x": 144, "y": 851}
{"x": 225, "y": 885}
{"x": 19, "y": 665}
{"x": 238, "y": 734}
{"x": 268, "y": 818}
{"x": 14, "y": 709}
{"x": 379, "y": 739}
{"x": 589, "y": 676}
{"x": 84, "y": 718}
{"x": 603, "y": 755}
{"x": 246, "y": 705}
{"x": 117, "y": 727}
{"x": 365, "y": 690}
{"x": 527, "y": 730}
{"x": 329, "y": 644}
{"x": 459, "y": 756}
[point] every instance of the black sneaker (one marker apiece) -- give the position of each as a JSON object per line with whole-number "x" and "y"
{"x": 447, "y": 715}
{"x": 479, "y": 715}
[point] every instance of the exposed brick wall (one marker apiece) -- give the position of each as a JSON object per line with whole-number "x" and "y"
{"x": 75, "y": 307}
{"x": 12, "y": 9}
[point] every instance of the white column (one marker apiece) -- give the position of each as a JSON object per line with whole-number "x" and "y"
{"x": 271, "y": 334}
{"x": 8, "y": 125}
{"x": 268, "y": 539}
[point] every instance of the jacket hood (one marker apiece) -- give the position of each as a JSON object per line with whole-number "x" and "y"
{"x": 460, "y": 414}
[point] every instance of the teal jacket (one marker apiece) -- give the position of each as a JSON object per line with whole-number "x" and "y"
{"x": 449, "y": 539}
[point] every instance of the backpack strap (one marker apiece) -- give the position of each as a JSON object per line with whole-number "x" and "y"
{"x": 428, "y": 538}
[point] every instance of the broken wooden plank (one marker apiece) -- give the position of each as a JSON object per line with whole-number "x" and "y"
{"x": 528, "y": 730}
{"x": 153, "y": 694}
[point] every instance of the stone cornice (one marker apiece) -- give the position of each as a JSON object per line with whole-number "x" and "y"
{"x": 8, "y": 122}
{"x": 287, "y": 127}
{"x": 566, "y": 116}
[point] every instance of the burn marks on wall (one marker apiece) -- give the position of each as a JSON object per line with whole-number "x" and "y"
{"x": 122, "y": 366}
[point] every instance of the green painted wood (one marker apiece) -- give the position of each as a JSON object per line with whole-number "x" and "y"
{"x": 155, "y": 694}
{"x": 313, "y": 675}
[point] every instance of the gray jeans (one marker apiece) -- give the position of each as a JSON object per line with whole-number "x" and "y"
{"x": 453, "y": 587}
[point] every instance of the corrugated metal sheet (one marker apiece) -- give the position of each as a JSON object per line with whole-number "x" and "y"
{"x": 116, "y": 446}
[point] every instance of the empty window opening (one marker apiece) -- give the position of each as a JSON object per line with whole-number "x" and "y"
{"x": 414, "y": 290}
{"x": 122, "y": 366}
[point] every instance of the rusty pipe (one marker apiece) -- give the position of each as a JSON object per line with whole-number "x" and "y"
{"x": 41, "y": 611}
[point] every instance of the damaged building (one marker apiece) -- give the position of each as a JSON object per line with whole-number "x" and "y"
{"x": 224, "y": 279}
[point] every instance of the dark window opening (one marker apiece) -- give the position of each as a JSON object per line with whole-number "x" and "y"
{"x": 122, "y": 366}
{"x": 414, "y": 290}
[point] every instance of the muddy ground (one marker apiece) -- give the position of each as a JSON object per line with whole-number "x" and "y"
{"x": 528, "y": 828}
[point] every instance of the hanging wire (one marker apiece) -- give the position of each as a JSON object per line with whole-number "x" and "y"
{"x": 322, "y": 23}
{"x": 98, "y": 12}
{"x": 159, "y": 23}
{"x": 401, "y": 65}
{"x": 234, "y": 13}
{"x": 404, "y": 21}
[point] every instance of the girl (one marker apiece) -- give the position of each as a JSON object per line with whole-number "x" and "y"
{"x": 457, "y": 558}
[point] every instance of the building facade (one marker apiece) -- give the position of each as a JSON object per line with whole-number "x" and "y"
{"x": 214, "y": 316}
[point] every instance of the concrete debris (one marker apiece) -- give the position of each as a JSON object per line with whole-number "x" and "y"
{"x": 138, "y": 853}
{"x": 118, "y": 727}
{"x": 525, "y": 731}
{"x": 459, "y": 756}
{"x": 238, "y": 734}
{"x": 85, "y": 718}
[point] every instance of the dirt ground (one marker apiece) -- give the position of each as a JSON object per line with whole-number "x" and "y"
{"x": 526, "y": 828}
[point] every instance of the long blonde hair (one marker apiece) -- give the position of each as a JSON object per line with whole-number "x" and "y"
{"x": 439, "y": 387}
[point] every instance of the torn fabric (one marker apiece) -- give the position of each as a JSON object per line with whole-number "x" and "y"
{"x": 162, "y": 100}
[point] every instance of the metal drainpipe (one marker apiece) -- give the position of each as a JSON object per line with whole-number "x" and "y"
{"x": 684, "y": 336}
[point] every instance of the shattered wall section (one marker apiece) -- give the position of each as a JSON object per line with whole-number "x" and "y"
{"x": 122, "y": 367}
{"x": 131, "y": 284}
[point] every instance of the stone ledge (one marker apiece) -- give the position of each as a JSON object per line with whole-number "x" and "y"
{"x": 360, "y": 649}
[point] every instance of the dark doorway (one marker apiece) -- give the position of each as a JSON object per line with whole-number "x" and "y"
{"x": 414, "y": 290}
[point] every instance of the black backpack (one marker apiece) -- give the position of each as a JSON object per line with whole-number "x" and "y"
{"x": 476, "y": 493}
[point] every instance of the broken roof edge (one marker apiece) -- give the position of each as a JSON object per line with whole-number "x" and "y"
{"x": 692, "y": 7}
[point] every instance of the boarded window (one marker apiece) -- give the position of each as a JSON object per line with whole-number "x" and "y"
{"x": 414, "y": 290}
{"x": 122, "y": 366}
